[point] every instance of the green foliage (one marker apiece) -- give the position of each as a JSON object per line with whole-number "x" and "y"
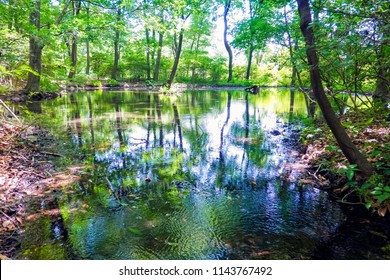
{"x": 352, "y": 39}
{"x": 79, "y": 80}
{"x": 95, "y": 83}
{"x": 20, "y": 72}
{"x": 349, "y": 171}
{"x": 371, "y": 134}
{"x": 49, "y": 86}
{"x": 376, "y": 192}
{"x": 4, "y": 89}
{"x": 112, "y": 83}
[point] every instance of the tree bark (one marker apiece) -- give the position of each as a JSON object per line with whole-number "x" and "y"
{"x": 73, "y": 57}
{"x": 148, "y": 65}
{"x": 225, "y": 41}
{"x": 348, "y": 148}
{"x": 88, "y": 66}
{"x": 176, "y": 62}
{"x": 36, "y": 46}
{"x": 76, "y": 5}
{"x": 114, "y": 72}
{"x": 382, "y": 92}
{"x": 158, "y": 58}
{"x": 250, "y": 56}
{"x": 35, "y": 52}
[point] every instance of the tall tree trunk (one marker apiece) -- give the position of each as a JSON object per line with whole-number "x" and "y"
{"x": 88, "y": 65}
{"x": 250, "y": 56}
{"x": 36, "y": 47}
{"x": 158, "y": 58}
{"x": 382, "y": 92}
{"x": 178, "y": 48}
{"x": 309, "y": 97}
{"x": 194, "y": 67}
{"x": 35, "y": 51}
{"x": 148, "y": 65}
{"x": 73, "y": 57}
{"x": 225, "y": 41}
{"x": 76, "y": 6}
{"x": 114, "y": 72}
{"x": 349, "y": 149}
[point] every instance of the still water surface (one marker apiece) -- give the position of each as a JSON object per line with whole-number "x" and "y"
{"x": 194, "y": 176}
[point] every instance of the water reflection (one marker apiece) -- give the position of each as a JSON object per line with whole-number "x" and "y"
{"x": 195, "y": 176}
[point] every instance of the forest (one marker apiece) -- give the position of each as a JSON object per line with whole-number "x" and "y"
{"x": 322, "y": 65}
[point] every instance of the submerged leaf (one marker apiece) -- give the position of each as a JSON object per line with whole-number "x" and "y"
{"x": 135, "y": 231}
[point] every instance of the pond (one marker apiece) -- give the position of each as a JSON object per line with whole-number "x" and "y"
{"x": 198, "y": 175}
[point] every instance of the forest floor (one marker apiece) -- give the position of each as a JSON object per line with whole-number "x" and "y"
{"x": 328, "y": 169}
{"x": 366, "y": 232}
{"x": 27, "y": 175}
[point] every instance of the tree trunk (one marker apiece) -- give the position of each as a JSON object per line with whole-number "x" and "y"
{"x": 349, "y": 149}
{"x": 148, "y": 66}
{"x": 194, "y": 66}
{"x": 76, "y": 6}
{"x": 227, "y": 46}
{"x": 176, "y": 62}
{"x": 250, "y": 56}
{"x": 88, "y": 66}
{"x": 73, "y": 58}
{"x": 382, "y": 92}
{"x": 158, "y": 58}
{"x": 114, "y": 73}
{"x": 35, "y": 52}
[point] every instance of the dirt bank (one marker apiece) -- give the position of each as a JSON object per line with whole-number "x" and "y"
{"x": 27, "y": 177}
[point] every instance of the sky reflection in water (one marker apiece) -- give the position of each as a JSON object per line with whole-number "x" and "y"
{"x": 215, "y": 162}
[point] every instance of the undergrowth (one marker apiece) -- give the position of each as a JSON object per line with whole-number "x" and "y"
{"x": 370, "y": 132}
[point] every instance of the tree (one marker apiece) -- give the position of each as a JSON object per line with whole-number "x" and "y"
{"x": 347, "y": 146}
{"x": 37, "y": 43}
{"x": 118, "y": 10}
{"x": 227, "y": 6}
{"x": 35, "y": 50}
{"x": 181, "y": 11}
{"x": 252, "y": 33}
{"x": 76, "y": 8}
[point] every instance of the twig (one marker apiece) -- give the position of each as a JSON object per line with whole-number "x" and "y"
{"x": 347, "y": 202}
{"x": 9, "y": 110}
{"x": 9, "y": 218}
{"x": 51, "y": 154}
{"x": 110, "y": 186}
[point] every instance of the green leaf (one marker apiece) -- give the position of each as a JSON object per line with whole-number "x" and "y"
{"x": 383, "y": 197}
{"x": 331, "y": 148}
{"x": 135, "y": 231}
{"x": 376, "y": 192}
{"x": 350, "y": 174}
{"x": 368, "y": 205}
{"x": 365, "y": 186}
{"x": 376, "y": 153}
{"x": 369, "y": 121}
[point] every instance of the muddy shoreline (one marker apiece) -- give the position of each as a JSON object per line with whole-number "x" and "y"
{"x": 27, "y": 177}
